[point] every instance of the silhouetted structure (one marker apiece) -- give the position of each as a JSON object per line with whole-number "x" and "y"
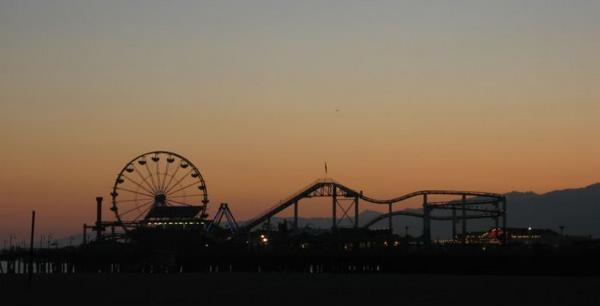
{"x": 160, "y": 201}
{"x": 482, "y": 205}
{"x": 224, "y": 212}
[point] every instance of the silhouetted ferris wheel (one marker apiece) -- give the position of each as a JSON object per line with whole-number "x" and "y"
{"x": 159, "y": 187}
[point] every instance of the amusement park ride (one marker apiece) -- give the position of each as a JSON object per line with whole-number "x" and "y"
{"x": 162, "y": 192}
{"x": 158, "y": 192}
{"x": 161, "y": 224}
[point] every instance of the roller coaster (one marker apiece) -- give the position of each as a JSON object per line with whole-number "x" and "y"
{"x": 472, "y": 205}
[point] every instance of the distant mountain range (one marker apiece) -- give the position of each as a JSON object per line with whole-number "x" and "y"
{"x": 578, "y": 210}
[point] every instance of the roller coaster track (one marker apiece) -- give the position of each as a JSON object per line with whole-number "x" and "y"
{"x": 418, "y": 215}
{"x": 329, "y": 188}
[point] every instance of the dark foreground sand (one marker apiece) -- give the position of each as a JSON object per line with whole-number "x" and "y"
{"x": 298, "y": 289}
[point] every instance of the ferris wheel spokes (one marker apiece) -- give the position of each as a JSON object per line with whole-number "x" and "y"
{"x": 150, "y": 174}
{"x": 162, "y": 187}
{"x": 179, "y": 181}
{"x": 136, "y": 192}
{"x": 138, "y": 207}
{"x": 183, "y": 188}
{"x": 135, "y": 196}
{"x": 135, "y": 169}
{"x": 138, "y": 184}
{"x": 172, "y": 177}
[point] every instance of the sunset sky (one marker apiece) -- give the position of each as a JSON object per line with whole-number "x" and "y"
{"x": 396, "y": 96}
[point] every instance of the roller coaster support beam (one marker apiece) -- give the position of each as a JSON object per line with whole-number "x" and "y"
{"x": 496, "y": 219}
{"x": 464, "y": 219}
{"x": 453, "y": 223}
{"x": 296, "y": 215}
{"x": 426, "y": 221}
{"x": 390, "y": 218}
{"x": 334, "y": 206}
{"x": 505, "y": 234}
{"x": 355, "y": 211}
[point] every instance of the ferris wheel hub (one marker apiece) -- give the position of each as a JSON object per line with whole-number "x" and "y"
{"x": 160, "y": 200}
